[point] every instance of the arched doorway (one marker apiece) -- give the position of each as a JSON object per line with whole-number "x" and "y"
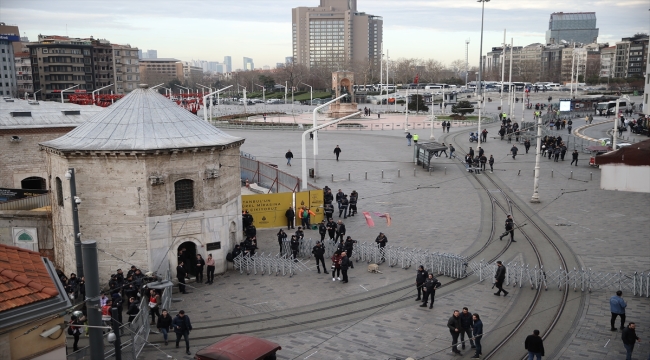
{"x": 187, "y": 253}
{"x": 33, "y": 183}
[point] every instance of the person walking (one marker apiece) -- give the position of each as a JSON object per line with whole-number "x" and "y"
{"x": 382, "y": 240}
{"x": 499, "y": 278}
{"x": 336, "y": 266}
{"x": 211, "y": 266}
{"x": 510, "y": 229}
{"x": 477, "y": 332}
{"x": 429, "y": 290}
{"x": 319, "y": 252}
{"x": 527, "y": 145}
{"x": 452, "y": 151}
{"x": 514, "y": 150}
{"x": 291, "y": 217}
{"x": 574, "y": 157}
{"x": 331, "y": 229}
{"x": 180, "y": 275}
{"x": 443, "y": 125}
{"x": 445, "y": 150}
{"x": 408, "y": 138}
{"x": 483, "y": 160}
{"x": 337, "y": 152}
{"x": 415, "y": 138}
{"x": 200, "y": 264}
{"x": 288, "y": 156}
{"x": 448, "y": 126}
{"x": 164, "y": 324}
{"x": 629, "y": 337}
{"x": 491, "y": 162}
{"x": 420, "y": 277}
{"x": 535, "y": 346}
{"x": 74, "y": 329}
{"x": 154, "y": 305}
{"x": 345, "y": 264}
{"x": 182, "y": 327}
{"x": 132, "y": 311}
{"x": 343, "y": 207}
{"x": 467, "y": 322}
{"x": 617, "y": 307}
{"x": 455, "y": 328}
{"x": 349, "y": 248}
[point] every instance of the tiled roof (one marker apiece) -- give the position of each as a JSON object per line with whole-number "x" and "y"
{"x": 24, "y": 279}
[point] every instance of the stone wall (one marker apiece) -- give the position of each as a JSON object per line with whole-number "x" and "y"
{"x": 40, "y": 220}
{"x": 23, "y": 159}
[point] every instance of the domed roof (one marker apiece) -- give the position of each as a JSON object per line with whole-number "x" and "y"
{"x": 143, "y": 120}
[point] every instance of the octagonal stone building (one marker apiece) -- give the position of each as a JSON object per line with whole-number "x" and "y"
{"x": 153, "y": 178}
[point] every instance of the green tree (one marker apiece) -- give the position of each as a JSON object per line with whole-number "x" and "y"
{"x": 462, "y": 107}
{"x": 417, "y": 103}
{"x": 267, "y": 81}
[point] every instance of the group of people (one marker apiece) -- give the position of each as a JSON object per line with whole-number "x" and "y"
{"x": 74, "y": 286}
{"x": 474, "y": 161}
{"x": 617, "y": 307}
{"x": 563, "y": 124}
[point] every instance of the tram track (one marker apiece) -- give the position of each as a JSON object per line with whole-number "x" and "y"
{"x": 499, "y": 350}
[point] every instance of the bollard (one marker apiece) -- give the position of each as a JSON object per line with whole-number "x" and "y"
{"x": 349, "y": 176}
{"x": 591, "y": 176}
{"x": 430, "y": 170}
{"x": 366, "y": 175}
{"x": 551, "y": 173}
{"x": 332, "y": 177}
{"x": 445, "y": 170}
{"x": 519, "y": 172}
{"x": 571, "y": 175}
{"x": 382, "y": 174}
{"x": 398, "y": 171}
{"x": 413, "y": 172}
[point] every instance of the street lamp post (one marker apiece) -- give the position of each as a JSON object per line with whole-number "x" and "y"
{"x": 35, "y": 94}
{"x": 75, "y": 201}
{"x": 62, "y": 91}
{"x": 205, "y": 115}
{"x": 480, "y": 73}
{"x": 538, "y": 157}
{"x": 93, "y": 93}
{"x": 314, "y": 125}
{"x": 311, "y": 94}
{"x": 183, "y": 87}
{"x": 263, "y": 97}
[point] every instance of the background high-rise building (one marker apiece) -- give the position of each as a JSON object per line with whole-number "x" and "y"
{"x": 152, "y": 54}
{"x": 631, "y": 56}
{"x": 335, "y": 34}
{"x": 12, "y": 30}
{"x": 8, "y": 85}
{"x": 248, "y": 64}
{"x": 572, "y": 27}
{"x": 227, "y": 63}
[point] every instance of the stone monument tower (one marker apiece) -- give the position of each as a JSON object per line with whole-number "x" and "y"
{"x": 342, "y": 83}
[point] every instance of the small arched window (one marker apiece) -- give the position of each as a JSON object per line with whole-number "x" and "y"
{"x": 184, "y": 194}
{"x": 33, "y": 183}
{"x": 59, "y": 191}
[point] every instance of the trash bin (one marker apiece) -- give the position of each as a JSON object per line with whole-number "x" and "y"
{"x": 311, "y": 173}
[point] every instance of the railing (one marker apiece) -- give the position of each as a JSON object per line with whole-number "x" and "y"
{"x": 638, "y": 284}
{"x": 269, "y": 176}
{"x": 140, "y": 328}
{"x": 28, "y": 203}
{"x": 451, "y": 265}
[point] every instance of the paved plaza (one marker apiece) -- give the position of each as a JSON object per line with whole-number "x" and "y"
{"x": 439, "y": 211}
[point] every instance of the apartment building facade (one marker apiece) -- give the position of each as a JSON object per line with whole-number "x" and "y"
{"x": 24, "y": 80}
{"x": 335, "y": 34}
{"x": 631, "y": 56}
{"x": 8, "y": 86}
{"x": 126, "y": 68}
{"x": 160, "y": 70}
{"x": 607, "y": 61}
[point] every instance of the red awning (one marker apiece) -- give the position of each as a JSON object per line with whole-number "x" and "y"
{"x": 238, "y": 347}
{"x": 634, "y": 155}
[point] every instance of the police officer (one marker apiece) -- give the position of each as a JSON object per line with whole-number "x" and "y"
{"x": 295, "y": 246}
{"x": 319, "y": 252}
{"x": 331, "y": 229}
{"x": 282, "y": 237}
{"x": 322, "y": 230}
{"x": 329, "y": 211}
{"x": 343, "y": 207}
{"x": 381, "y": 240}
{"x": 354, "y": 197}
{"x": 420, "y": 277}
{"x": 340, "y": 230}
{"x": 510, "y": 226}
{"x": 349, "y": 247}
{"x": 299, "y": 233}
{"x": 429, "y": 289}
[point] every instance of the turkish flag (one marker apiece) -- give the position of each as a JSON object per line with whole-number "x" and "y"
{"x": 369, "y": 220}
{"x": 417, "y": 78}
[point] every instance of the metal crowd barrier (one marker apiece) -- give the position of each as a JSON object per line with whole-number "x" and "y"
{"x": 268, "y": 264}
{"x": 579, "y": 279}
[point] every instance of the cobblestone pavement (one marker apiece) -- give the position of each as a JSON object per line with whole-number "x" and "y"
{"x": 606, "y": 230}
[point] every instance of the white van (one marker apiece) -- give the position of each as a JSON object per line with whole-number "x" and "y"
{"x": 433, "y": 87}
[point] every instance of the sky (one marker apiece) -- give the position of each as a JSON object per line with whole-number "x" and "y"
{"x": 261, "y": 29}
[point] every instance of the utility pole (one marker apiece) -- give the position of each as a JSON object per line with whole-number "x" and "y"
{"x": 466, "y": 63}
{"x": 538, "y": 157}
{"x": 75, "y": 201}
{"x": 116, "y": 331}
{"x": 573, "y": 62}
{"x": 89, "y": 249}
{"x": 510, "y": 99}
{"x": 503, "y": 66}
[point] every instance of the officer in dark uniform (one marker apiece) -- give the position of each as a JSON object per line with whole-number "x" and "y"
{"x": 331, "y": 229}
{"x": 319, "y": 252}
{"x": 295, "y": 246}
{"x": 381, "y": 240}
{"x": 510, "y": 228}
{"x": 322, "y": 230}
{"x": 180, "y": 274}
{"x": 349, "y": 247}
{"x": 420, "y": 277}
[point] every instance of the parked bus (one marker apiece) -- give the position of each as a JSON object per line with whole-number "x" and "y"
{"x": 609, "y": 107}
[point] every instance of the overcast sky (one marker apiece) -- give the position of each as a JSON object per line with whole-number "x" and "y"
{"x": 261, "y": 29}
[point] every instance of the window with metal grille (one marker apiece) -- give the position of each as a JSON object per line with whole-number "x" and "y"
{"x": 184, "y": 194}
{"x": 59, "y": 191}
